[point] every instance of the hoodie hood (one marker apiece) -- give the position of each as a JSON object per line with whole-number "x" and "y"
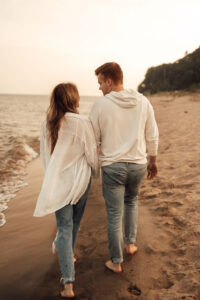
{"x": 125, "y": 98}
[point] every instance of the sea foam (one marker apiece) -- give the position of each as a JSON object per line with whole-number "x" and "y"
{"x": 16, "y": 179}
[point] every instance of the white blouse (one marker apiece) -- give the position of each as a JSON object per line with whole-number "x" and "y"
{"x": 68, "y": 169}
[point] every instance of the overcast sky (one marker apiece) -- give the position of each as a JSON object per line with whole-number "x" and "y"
{"x": 44, "y": 42}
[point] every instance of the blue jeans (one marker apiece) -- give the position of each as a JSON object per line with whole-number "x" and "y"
{"x": 68, "y": 221}
{"x": 121, "y": 183}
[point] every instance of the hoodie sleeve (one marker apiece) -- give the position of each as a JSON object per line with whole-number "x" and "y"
{"x": 94, "y": 118}
{"x": 91, "y": 149}
{"x": 151, "y": 132}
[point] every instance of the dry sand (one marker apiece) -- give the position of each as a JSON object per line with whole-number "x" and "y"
{"x": 167, "y": 265}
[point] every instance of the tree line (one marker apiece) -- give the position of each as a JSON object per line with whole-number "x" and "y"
{"x": 180, "y": 75}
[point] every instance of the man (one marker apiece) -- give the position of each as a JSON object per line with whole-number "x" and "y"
{"x": 124, "y": 125}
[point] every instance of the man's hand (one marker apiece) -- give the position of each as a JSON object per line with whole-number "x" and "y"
{"x": 152, "y": 169}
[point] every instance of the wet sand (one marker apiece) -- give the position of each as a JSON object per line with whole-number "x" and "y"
{"x": 167, "y": 265}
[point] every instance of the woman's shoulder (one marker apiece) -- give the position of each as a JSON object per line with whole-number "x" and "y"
{"x": 77, "y": 117}
{"x": 76, "y": 124}
{"x": 44, "y": 125}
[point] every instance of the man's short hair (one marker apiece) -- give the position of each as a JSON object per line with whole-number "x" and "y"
{"x": 111, "y": 70}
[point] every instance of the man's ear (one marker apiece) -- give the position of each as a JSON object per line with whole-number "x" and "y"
{"x": 109, "y": 82}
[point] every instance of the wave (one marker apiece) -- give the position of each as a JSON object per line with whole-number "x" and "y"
{"x": 14, "y": 157}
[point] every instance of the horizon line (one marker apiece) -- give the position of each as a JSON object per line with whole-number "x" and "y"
{"x": 47, "y": 95}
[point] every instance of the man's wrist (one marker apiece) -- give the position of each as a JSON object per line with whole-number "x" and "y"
{"x": 152, "y": 159}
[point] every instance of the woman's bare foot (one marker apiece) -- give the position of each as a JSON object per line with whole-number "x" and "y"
{"x": 131, "y": 248}
{"x": 68, "y": 291}
{"x": 113, "y": 266}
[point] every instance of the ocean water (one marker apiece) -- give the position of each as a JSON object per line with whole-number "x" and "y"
{"x": 20, "y": 121}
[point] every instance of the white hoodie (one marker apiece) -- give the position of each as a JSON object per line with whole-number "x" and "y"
{"x": 125, "y": 127}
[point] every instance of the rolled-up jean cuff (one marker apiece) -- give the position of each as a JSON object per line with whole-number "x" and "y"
{"x": 129, "y": 241}
{"x": 67, "y": 280}
{"x": 116, "y": 260}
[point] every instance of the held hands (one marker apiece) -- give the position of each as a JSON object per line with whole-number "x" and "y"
{"x": 152, "y": 169}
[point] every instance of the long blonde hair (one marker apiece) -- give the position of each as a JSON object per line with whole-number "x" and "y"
{"x": 64, "y": 98}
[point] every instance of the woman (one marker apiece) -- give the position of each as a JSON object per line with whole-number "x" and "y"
{"x": 68, "y": 152}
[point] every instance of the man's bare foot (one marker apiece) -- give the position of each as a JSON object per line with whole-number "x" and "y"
{"x": 131, "y": 248}
{"x": 113, "y": 266}
{"x": 68, "y": 291}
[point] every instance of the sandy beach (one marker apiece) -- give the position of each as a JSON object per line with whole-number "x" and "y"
{"x": 167, "y": 265}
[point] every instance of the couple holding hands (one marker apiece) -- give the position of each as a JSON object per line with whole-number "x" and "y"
{"x": 122, "y": 127}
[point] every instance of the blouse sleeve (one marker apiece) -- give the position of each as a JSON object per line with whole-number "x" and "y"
{"x": 44, "y": 149}
{"x": 91, "y": 149}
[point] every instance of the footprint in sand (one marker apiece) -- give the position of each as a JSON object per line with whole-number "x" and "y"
{"x": 166, "y": 193}
{"x": 162, "y": 211}
{"x": 185, "y": 185}
{"x": 174, "y": 266}
{"x": 179, "y": 276}
{"x": 193, "y": 165}
{"x": 176, "y": 203}
{"x": 180, "y": 221}
{"x": 190, "y": 285}
{"x": 165, "y": 185}
{"x": 163, "y": 282}
{"x": 87, "y": 250}
{"x": 150, "y": 250}
{"x": 151, "y": 196}
{"x": 133, "y": 289}
{"x": 188, "y": 297}
{"x": 174, "y": 245}
{"x": 181, "y": 251}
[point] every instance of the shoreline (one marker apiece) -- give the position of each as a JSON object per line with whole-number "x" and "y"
{"x": 25, "y": 244}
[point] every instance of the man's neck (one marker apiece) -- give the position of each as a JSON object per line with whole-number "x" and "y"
{"x": 117, "y": 88}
